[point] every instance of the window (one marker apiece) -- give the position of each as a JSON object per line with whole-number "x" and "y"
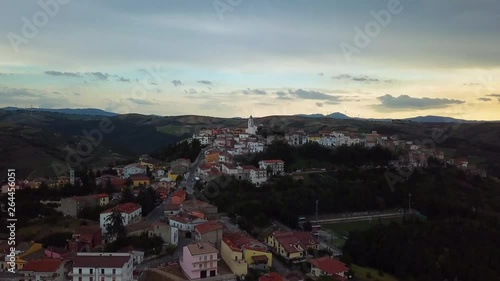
{"x": 205, "y": 258}
{"x": 114, "y": 271}
{"x": 91, "y": 278}
{"x": 102, "y": 271}
{"x": 79, "y": 278}
{"x": 91, "y": 271}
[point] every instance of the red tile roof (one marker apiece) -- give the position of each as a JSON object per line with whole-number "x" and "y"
{"x": 106, "y": 260}
{"x": 43, "y": 265}
{"x": 238, "y": 240}
{"x": 208, "y": 227}
{"x": 139, "y": 177}
{"x": 124, "y": 208}
{"x": 329, "y": 265}
{"x": 101, "y": 195}
{"x": 273, "y": 276}
{"x": 249, "y": 167}
{"x": 179, "y": 193}
{"x": 290, "y": 240}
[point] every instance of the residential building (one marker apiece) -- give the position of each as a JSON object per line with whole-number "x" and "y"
{"x": 210, "y": 231}
{"x": 140, "y": 180}
{"x": 25, "y": 252}
{"x": 199, "y": 260}
{"x": 133, "y": 169}
{"x": 149, "y": 162}
{"x": 330, "y": 267}
{"x": 258, "y": 176}
{"x": 229, "y": 169}
{"x": 277, "y": 166}
{"x": 171, "y": 209}
{"x": 57, "y": 253}
{"x": 137, "y": 254}
{"x": 233, "y": 256}
{"x": 292, "y": 245}
{"x": 9, "y": 276}
{"x": 178, "y": 197}
{"x": 185, "y": 222}
{"x": 200, "y": 209}
{"x": 167, "y": 233}
{"x": 101, "y": 199}
{"x": 72, "y": 206}
{"x": 102, "y": 266}
{"x": 212, "y": 156}
{"x": 85, "y": 238}
{"x": 271, "y": 276}
{"x": 256, "y": 254}
{"x": 44, "y": 269}
{"x": 130, "y": 212}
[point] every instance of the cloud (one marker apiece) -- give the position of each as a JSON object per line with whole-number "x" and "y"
{"x": 20, "y": 93}
{"x": 495, "y": 96}
{"x": 98, "y": 75}
{"x": 121, "y": 79}
{"x": 362, "y": 78}
{"x": 191, "y": 91}
{"x": 407, "y": 102}
{"x": 319, "y": 104}
{"x": 59, "y": 73}
{"x": 141, "y": 102}
{"x": 154, "y": 83}
{"x": 249, "y": 91}
{"x": 23, "y": 97}
{"x": 177, "y": 83}
{"x": 205, "y": 82}
{"x": 484, "y": 99}
{"x": 320, "y": 74}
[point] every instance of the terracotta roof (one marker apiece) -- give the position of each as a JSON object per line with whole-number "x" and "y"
{"x": 260, "y": 259}
{"x": 172, "y": 207}
{"x": 273, "y": 276}
{"x": 179, "y": 193}
{"x": 249, "y": 167}
{"x": 124, "y": 208}
{"x": 238, "y": 240}
{"x": 208, "y": 227}
{"x": 201, "y": 248}
{"x": 329, "y": 265}
{"x": 57, "y": 250}
{"x": 196, "y": 204}
{"x": 273, "y": 161}
{"x": 101, "y": 195}
{"x": 106, "y": 260}
{"x": 139, "y": 177}
{"x": 43, "y": 265}
{"x": 295, "y": 241}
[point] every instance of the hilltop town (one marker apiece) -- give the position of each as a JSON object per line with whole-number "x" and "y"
{"x": 156, "y": 220}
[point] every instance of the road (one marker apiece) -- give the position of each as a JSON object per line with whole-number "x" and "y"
{"x": 346, "y": 217}
{"x": 189, "y": 181}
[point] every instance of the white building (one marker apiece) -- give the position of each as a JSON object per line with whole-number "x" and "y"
{"x": 185, "y": 223}
{"x": 251, "y": 128}
{"x": 277, "y": 166}
{"x": 255, "y": 147}
{"x": 204, "y": 139}
{"x": 258, "y": 176}
{"x": 133, "y": 169}
{"x": 131, "y": 213}
{"x": 229, "y": 169}
{"x": 102, "y": 266}
{"x": 43, "y": 269}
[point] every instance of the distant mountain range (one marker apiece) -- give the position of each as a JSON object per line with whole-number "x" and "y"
{"x": 75, "y": 111}
{"x": 335, "y": 115}
{"x": 418, "y": 119}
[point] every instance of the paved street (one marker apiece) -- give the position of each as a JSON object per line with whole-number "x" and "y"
{"x": 189, "y": 181}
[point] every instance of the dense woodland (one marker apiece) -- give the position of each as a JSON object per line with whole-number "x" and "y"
{"x": 180, "y": 150}
{"x": 460, "y": 238}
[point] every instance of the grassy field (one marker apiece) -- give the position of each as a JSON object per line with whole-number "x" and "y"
{"x": 39, "y": 230}
{"x": 362, "y": 272}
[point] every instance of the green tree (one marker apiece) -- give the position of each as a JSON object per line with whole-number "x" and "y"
{"x": 114, "y": 225}
{"x": 127, "y": 195}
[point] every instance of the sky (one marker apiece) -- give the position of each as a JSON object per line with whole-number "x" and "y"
{"x": 228, "y": 58}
